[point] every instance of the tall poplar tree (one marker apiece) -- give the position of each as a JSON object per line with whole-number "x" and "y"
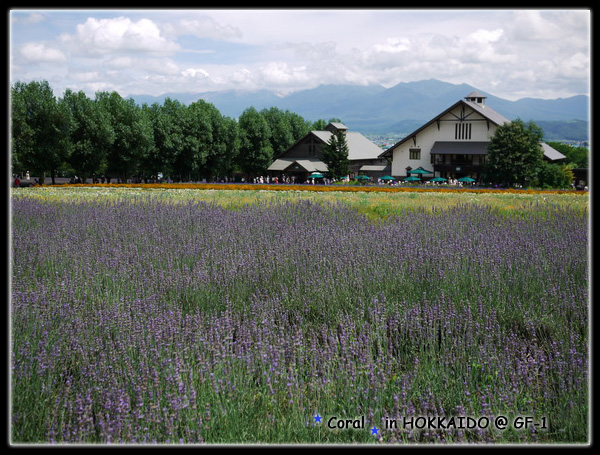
{"x": 256, "y": 151}
{"x": 39, "y": 129}
{"x": 90, "y": 133}
{"x": 134, "y": 135}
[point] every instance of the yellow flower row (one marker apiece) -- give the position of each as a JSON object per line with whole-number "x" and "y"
{"x": 319, "y": 188}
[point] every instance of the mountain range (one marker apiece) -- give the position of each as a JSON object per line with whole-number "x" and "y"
{"x": 397, "y": 110}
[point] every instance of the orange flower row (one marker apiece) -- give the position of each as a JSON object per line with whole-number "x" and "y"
{"x": 320, "y": 188}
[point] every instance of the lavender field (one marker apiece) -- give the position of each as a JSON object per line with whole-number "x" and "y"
{"x": 149, "y": 320}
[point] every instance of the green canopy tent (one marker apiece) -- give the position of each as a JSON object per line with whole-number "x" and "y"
{"x": 412, "y": 179}
{"x": 361, "y": 177}
{"x": 420, "y": 170}
{"x": 466, "y": 179}
{"x": 438, "y": 179}
{"x": 387, "y": 177}
{"x": 315, "y": 175}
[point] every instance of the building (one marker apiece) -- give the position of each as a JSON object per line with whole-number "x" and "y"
{"x": 453, "y": 144}
{"x": 305, "y": 156}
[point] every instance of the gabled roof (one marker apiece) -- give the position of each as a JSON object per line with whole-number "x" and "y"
{"x": 359, "y": 147}
{"x": 485, "y": 111}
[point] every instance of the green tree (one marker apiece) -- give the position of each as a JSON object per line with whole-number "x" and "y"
{"x": 515, "y": 155}
{"x": 552, "y": 175}
{"x": 39, "y": 129}
{"x": 90, "y": 132}
{"x": 166, "y": 155}
{"x": 286, "y": 128}
{"x": 320, "y": 124}
{"x": 577, "y": 156}
{"x": 200, "y": 137}
{"x": 133, "y": 135}
{"x": 335, "y": 155}
{"x": 224, "y": 149}
{"x": 256, "y": 152}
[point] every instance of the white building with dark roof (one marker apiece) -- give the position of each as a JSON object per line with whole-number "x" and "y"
{"x": 305, "y": 156}
{"x": 453, "y": 144}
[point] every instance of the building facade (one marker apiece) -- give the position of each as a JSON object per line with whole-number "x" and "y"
{"x": 306, "y": 155}
{"x": 453, "y": 144}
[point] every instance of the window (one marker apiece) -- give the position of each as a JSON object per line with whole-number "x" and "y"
{"x": 462, "y": 131}
{"x": 414, "y": 154}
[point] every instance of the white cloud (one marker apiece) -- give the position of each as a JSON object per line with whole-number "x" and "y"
{"x": 483, "y": 36}
{"x": 281, "y": 74}
{"x": 202, "y": 27}
{"x": 393, "y": 45}
{"x": 533, "y": 26}
{"x": 121, "y": 34}
{"x": 86, "y": 76}
{"x": 39, "y": 52}
{"x": 507, "y": 52}
{"x": 195, "y": 73}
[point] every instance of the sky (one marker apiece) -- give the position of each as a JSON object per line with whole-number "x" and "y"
{"x": 512, "y": 54}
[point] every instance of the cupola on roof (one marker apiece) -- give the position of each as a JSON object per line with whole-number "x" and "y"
{"x": 476, "y": 97}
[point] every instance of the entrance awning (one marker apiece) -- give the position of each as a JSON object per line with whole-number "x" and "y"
{"x": 298, "y": 165}
{"x": 459, "y": 148}
{"x": 279, "y": 165}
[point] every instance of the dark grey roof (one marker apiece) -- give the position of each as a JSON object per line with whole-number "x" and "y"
{"x": 551, "y": 153}
{"x": 480, "y": 148}
{"x": 310, "y": 165}
{"x": 359, "y": 147}
{"x": 337, "y": 126}
{"x": 488, "y": 113}
{"x": 459, "y": 148}
{"x": 475, "y": 94}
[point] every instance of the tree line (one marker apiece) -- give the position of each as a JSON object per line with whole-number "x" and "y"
{"x": 115, "y": 138}
{"x": 515, "y": 157}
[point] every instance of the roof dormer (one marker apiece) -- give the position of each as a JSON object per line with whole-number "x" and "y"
{"x": 476, "y": 97}
{"x": 334, "y": 127}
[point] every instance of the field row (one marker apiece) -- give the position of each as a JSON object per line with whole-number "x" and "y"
{"x": 161, "y": 317}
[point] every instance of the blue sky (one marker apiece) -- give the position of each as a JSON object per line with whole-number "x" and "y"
{"x": 508, "y": 53}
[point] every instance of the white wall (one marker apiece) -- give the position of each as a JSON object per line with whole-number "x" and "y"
{"x": 427, "y": 137}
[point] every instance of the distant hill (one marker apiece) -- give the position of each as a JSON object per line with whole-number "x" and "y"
{"x": 399, "y": 109}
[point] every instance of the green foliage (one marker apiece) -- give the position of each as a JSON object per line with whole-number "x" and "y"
{"x": 335, "y": 154}
{"x": 90, "y": 132}
{"x": 577, "y": 156}
{"x": 256, "y": 151}
{"x": 515, "y": 154}
{"x": 133, "y": 135}
{"x": 285, "y": 128}
{"x": 168, "y": 133}
{"x": 320, "y": 124}
{"x": 551, "y": 175}
{"x": 40, "y": 127}
{"x": 224, "y": 153}
{"x": 113, "y": 136}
